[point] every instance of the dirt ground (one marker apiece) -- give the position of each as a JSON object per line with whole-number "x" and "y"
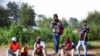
{"x": 92, "y": 52}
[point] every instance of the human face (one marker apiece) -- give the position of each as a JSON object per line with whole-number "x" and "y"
{"x": 38, "y": 40}
{"x": 55, "y": 18}
{"x": 84, "y": 23}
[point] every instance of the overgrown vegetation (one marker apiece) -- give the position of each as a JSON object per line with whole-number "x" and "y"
{"x": 26, "y": 19}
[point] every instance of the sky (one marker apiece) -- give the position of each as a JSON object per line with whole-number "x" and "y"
{"x": 64, "y": 8}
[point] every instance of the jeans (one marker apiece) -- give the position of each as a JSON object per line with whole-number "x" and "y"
{"x": 16, "y": 53}
{"x": 84, "y": 45}
{"x": 56, "y": 38}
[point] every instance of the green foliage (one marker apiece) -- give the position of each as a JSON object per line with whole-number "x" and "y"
{"x": 45, "y": 22}
{"x": 68, "y": 32}
{"x": 73, "y": 22}
{"x": 46, "y": 34}
{"x": 13, "y": 11}
{"x": 93, "y": 17}
{"x": 26, "y": 16}
{"x": 24, "y": 37}
{"x": 4, "y": 17}
{"x": 94, "y": 33}
{"x": 64, "y": 22}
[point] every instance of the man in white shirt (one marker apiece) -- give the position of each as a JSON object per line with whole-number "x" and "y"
{"x": 39, "y": 47}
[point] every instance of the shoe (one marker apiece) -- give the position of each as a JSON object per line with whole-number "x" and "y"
{"x": 54, "y": 53}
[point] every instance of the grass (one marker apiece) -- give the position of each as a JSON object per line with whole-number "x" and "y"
{"x": 94, "y": 44}
{"x": 3, "y": 47}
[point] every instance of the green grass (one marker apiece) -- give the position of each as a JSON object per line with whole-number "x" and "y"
{"x": 94, "y": 44}
{"x": 3, "y": 47}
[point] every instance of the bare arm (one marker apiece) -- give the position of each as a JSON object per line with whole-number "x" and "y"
{"x": 34, "y": 45}
{"x": 85, "y": 35}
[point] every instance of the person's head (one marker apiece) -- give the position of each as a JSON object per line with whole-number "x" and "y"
{"x": 55, "y": 16}
{"x": 84, "y": 23}
{"x": 14, "y": 39}
{"x": 38, "y": 39}
{"x": 67, "y": 40}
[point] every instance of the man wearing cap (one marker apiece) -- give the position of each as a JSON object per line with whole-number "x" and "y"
{"x": 56, "y": 25}
{"x": 39, "y": 47}
{"x": 13, "y": 48}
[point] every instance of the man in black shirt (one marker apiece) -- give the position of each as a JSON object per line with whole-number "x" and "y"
{"x": 83, "y": 34}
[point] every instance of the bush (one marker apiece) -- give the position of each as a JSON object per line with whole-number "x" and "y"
{"x": 28, "y": 37}
{"x": 68, "y": 32}
{"x": 94, "y": 33}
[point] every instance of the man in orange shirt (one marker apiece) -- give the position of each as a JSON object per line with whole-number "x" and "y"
{"x": 13, "y": 48}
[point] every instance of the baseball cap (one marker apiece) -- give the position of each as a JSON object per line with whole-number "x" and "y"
{"x": 14, "y": 39}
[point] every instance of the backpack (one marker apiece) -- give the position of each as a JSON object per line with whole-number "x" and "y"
{"x": 61, "y": 28}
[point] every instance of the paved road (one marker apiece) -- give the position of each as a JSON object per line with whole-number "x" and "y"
{"x": 90, "y": 52}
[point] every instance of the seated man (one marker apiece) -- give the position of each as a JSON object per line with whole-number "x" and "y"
{"x": 39, "y": 47}
{"x": 13, "y": 48}
{"x": 67, "y": 47}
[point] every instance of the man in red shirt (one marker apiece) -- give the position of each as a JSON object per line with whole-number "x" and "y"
{"x": 13, "y": 48}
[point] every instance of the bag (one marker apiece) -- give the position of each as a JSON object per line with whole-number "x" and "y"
{"x": 61, "y": 28}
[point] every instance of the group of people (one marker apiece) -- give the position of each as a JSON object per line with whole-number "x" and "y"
{"x": 57, "y": 29}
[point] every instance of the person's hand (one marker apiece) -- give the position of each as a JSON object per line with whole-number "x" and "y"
{"x": 78, "y": 30}
{"x": 39, "y": 47}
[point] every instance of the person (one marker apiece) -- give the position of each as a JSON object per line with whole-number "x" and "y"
{"x": 13, "y": 48}
{"x": 83, "y": 34}
{"x": 24, "y": 51}
{"x": 39, "y": 47}
{"x": 57, "y": 29}
{"x": 68, "y": 47}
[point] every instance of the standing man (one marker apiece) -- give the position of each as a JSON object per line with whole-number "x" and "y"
{"x": 83, "y": 33}
{"x": 57, "y": 30}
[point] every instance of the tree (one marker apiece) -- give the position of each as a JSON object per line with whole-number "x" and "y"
{"x": 64, "y": 22}
{"x": 44, "y": 22}
{"x": 13, "y": 8}
{"x": 26, "y": 16}
{"x": 93, "y": 17}
{"x": 4, "y": 17}
{"x": 73, "y": 22}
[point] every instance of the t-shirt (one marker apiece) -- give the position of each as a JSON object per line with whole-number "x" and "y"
{"x": 42, "y": 44}
{"x": 14, "y": 46}
{"x": 84, "y": 30}
{"x": 56, "y": 26}
{"x": 69, "y": 46}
